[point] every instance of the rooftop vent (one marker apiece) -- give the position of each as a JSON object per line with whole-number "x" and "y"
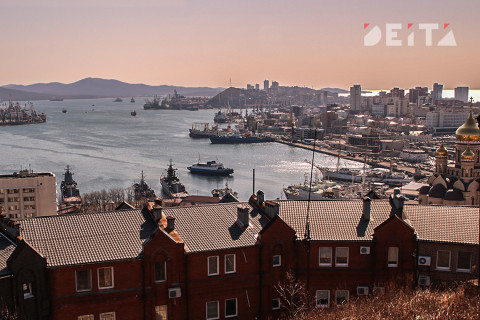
{"x": 170, "y": 223}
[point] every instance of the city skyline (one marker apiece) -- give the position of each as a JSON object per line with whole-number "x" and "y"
{"x": 210, "y": 43}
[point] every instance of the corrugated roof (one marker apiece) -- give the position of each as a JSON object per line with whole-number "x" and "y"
{"x": 6, "y": 249}
{"x": 213, "y": 227}
{"x": 88, "y": 238}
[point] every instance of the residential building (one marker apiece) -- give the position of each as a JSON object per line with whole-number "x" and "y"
{"x": 461, "y": 94}
{"x": 443, "y": 119}
{"x": 437, "y": 91}
{"x": 27, "y": 194}
{"x": 355, "y": 98}
{"x": 266, "y": 85}
{"x": 417, "y": 92}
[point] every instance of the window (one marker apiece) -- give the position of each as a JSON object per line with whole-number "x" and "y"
{"x": 276, "y": 304}
{"x": 213, "y": 266}
{"x": 27, "y": 290}
{"x": 323, "y": 299}
{"x": 341, "y": 257}
{"x": 341, "y": 297}
{"x": 28, "y": 190}
{"x": 230, "y": 263}
{"x": 325, "y": 256}
{"x": 160, "y": 271}
{"x": 13, "y": 199}
{"x": 393, "y": 256}
{"x": 107, "y": 316}
{"x": 86, "y": 317}
{"x": 277, "y": 260}
{"x": 84, "y": 280}
{"x": 105, "y": 278}
{"x": 161, "y": 312}
{"x": 464, "y": 261}
{"x": 443, "y": 260}
{"x": 230, "y": 308}
{"x": 212, "y": 310}
{"x": 28, "y": 215}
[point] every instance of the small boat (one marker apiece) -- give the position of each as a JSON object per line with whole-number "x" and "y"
{"x": 118, "y": 100}
{"x": 133, "y": 113}
{"x": 132, "y": 100}
{"x": 64, "y": 110}
{"x": 210, "y": 168}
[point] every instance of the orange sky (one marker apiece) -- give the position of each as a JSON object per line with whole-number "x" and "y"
{"x": 206, "y": 42}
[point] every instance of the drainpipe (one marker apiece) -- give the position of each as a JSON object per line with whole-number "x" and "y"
{"x": 373, "y": 256}
{"x": 144, "y": 295}
{"x": 415, "y": 255}
{"x": 186, "y": 285}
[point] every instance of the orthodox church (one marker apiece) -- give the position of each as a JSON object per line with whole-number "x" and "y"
{"x": 456, "y": 184}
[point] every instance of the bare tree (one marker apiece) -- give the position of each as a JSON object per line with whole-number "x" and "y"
{"x": 293, "y": 296}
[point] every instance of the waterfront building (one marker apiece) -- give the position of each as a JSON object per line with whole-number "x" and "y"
{"x": 437, "y": 91}
{"x": 461, "y": 94}
{"x": 28, "y": 194}
{"x": 355, "y": 98}
{"x": 458, "y": 183}
{"x": 226, "y": 260}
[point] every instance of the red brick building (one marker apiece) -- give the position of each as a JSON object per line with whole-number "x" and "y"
{"x": 227, "y": 260}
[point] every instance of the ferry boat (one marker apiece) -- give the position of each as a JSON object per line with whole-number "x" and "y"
{"x": 202, "y": 130}
{"x": 210, "y": 168}
{"x": 70, "y": 192}
{"x": 171, "y": 185}
{"x": 238, "y": 138}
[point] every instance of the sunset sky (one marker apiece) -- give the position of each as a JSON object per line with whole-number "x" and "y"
{"x": 207, "y": 42}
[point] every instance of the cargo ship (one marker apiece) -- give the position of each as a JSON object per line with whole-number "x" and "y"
{"x": 202, "y": 130}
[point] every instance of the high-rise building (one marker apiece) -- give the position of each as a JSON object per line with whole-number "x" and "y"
{"x": 266, "y": 85}
{"x": 274, "y": 85}
{"x": 257, "y": 86}
{"x": 355, "y": 94}
{"x": 27, "y": 194}
{"x": 437, "y": 91}
{"x": 461, "y": 94}
{"x": 396, "y": 93}
{"x": 414, "y": 94}
{"x": 250, "y": 87}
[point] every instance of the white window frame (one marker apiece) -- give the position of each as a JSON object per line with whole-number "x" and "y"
{"x": 323, "y": 264}
{"x": 337, "y": 293}
{"x": 465, "y": 270}
{"x": 277, "y": 302}
{"x": 392, "y": 265}
{"x": 236, "y": 308}
{"x": 449, "y": 261}
{"x": 208, "y": 266}
{"x": 218, "y": 310}
{"x": 279, "y": 260}
{"x": 98, "y": 278}
{"x": 234, "y": 263}
{"x": 76, "y": 281}
{"x": 337, "y": 264}
{"x": 107, "y": 314}
{"x": 328, "y": 298}
{"x": 164, "y": 270}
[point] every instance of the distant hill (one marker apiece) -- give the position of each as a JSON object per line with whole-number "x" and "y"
{"x": 335, "y": 90}
{"x": 98, "y": 88}
{"x": 19, "y": 95}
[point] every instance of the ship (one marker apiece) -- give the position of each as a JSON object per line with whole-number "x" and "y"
{"x": 70, "y": 192}
{"x": 220, "y": 117}
{"x": 64, "y": 110}
{"x": 118, "y": 100}
{"x": 236, "y": 138}
{"x": 155, "y": 104}
{"x": 202, "y": 130}
{"x": 171, "y": 185}
{"x": 142, "y": 191}
{"x": 212, "y": 168}
{"x": 133, "y": 113}
{"x": 14, "y": 114}
{"x": 132, "y": 100}
{"x": 395, "y": 179}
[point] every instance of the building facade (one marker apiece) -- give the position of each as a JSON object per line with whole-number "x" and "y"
{"x": 355, "y": 98}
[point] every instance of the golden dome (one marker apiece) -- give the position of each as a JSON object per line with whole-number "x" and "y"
{"x": 469, "y": 131}
{"x": 468, "y": 154}
{"x": 441, "y": 151}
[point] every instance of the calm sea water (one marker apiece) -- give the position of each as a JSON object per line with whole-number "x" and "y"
{"x": 108, "y": 148}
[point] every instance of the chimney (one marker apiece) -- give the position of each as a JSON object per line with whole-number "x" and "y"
{"x": 271, "y": 208}
{"x": 260, "y": 197}
{"x": 366, "y": 208}
{"x": 157, "y": 212}
{"x": 396, "y": 201}
{"x": 170, "y": 223}
{"x": 243, "y": 216}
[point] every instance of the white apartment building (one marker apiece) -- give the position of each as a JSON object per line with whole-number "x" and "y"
{"x": 27, "y": 194}
{"x": 442, "y": 119}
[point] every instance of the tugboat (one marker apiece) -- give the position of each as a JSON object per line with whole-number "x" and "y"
{"x": 211, "y": 168}
{"x": 64, "y": 110}
{"x": 142, "y": 191}
{"x": 70, "y": 192}
{"x": 171, "y": 185}
{"x": 133, "y": 113}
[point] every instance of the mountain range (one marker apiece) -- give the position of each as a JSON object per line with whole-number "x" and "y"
{"x": 97, "y": 88}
